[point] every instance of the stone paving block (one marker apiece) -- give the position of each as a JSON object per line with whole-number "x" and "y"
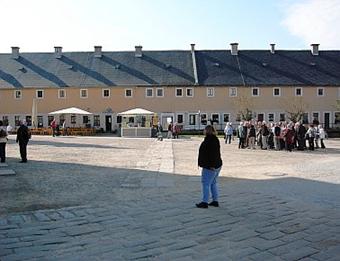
{"x": 82, "y": 230}
{"x": 287, "y": 247}
{"x": 264, "y": 256}
{"x": 3, "y": 221}
{"x": 272, "y": 235}
{"x": 263, "y": 244}
{"x": 17, "y": 245}
{"x": 40, "y": 216}
{"x": 66, "y": 214}
{"x": 8, "y": 241}
{"x": 5, "y": 252}
{"x": 327, "y": 254}
{"x": 242, "y": 235}
{"x": 15, "y": 219}
{"x": 299, "y": 253}
{"x": 7, "y": 172}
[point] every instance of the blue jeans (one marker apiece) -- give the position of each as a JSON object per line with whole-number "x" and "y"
{"x": 209, "y": 178}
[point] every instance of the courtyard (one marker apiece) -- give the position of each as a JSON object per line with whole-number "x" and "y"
{"x": 109, "y": 198}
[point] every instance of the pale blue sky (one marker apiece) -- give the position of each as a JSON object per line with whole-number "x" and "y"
{"x": 78, "y": 25}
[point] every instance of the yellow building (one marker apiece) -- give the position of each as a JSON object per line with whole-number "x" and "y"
{"x": 190, "y": 86}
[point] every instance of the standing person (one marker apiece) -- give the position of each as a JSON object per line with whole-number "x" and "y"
{"x": 241, "y": 136}
{"x": 317, "y": 134}
{"x": 288, "y": 135}
{"x": 170, "y": 130}
{"x": 264, "y": 134}
{"x": 54, "y": 126}
{"x": 3, "y": 141}
{"x": 310, "y": 135}
{"x": 23, "y": 136}
{"x": 277, "y": 133}
{"x": 209, "y": 159}
{"x": 159, "y": 131}
{"x": 251, "y": 137}
{"x": 322, "y": 136}
{"x": 228, "y": 131}
{"x": 64, "y": 128}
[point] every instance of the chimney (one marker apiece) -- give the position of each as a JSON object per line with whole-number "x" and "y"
{"x": 272, "y": 48}
{"x": 98, "y": 51}
{"x": 315, "y": 49}
{"x": 193, "y": 56}
{"x": 58, "y": 50}
{"x": 234, "y": 48}
{"x": 138, "y": 52}
{"x": 15, "y": 52}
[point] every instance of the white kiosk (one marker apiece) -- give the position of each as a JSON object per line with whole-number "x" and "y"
{"x": 137, "y": 123}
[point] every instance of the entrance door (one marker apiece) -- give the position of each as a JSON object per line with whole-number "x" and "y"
{"x": 108, "y": 123}
{"x": 326, "y": 120}
{"x": 166, "y": 119}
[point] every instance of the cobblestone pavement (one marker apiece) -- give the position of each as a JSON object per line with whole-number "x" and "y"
{"x": 133, "y": 199}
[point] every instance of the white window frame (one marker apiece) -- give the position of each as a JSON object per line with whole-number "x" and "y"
{"x": 231, "y": 92}
{"x": 295, "y": 90}
{"x": 333, "y": 120}
{"x": 252, "y": 91}
{"x": 319, "y": 116}
{"x": 103, "y": 91}
{"x": 160, "y": 89}
{"x": 338, "y": 92}
{"x": 125, "y": 91}
{"x": 279, "y": 118}
{"x": 177, "y": 114}
{"x": 176, "y": 92}
{"x": 219, "y": 117}
{"x": 277, "y": 88}
{"x": 87, "y": 93}
{"x": 36, "y": 94}
{"x": 192, "y": 92}
{"x": 146, "y": 93}
{"x": 323, "y": 91}
{"x": 59, "y": 97}
{"x": 190, "y": 114}
{"x": 206, "y": 118}
{"x": 273, "y": 116}
{"x": 15, "y": 94}
{"x": 228, "y": 117}
{"x": 212, "y": 90}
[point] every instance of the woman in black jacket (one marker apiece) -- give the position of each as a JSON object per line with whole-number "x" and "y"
{"x": 209, "y": 159}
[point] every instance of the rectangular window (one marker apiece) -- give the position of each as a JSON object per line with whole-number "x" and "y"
{"x": 190, "y": 92}
{"x": 119, "y": 119}
{"x": 49, "y": 120}
{"x": 5, "y": 120}
{"x": 271, "y": 117}
{"x": 276, "y": 92}
{"x": 320, "y": 91}
{"x": 337, "y": 117}
{"x": 106, "y": 93}
{"x": 128, "y": 92}
{"x": 17, "y": 120}
{"x": 29, "y": 120}
{"x": 232, "y": 92}
{"x": 255, "y": 91}
{"x": 192, "y": 119}
{"x": 160, "y": 92}
{"x": 226, "y": 117}
{"x": 215, "y": 118}
{"x": 61, "y": 94}
{"x": 305, "y": 119}
{"x": 149, "y": 92}
{"x": 180, "y": 118}
{"x": 83, "y": 93}
{"x": 17, "y": 94}
{"x": 210, "y": 92}
{"x": 315, "y": 117}
{"x": 203, "y": 118}
{"x": 73, "y": 119}
{"x": 298, "y": 91}
{"x": 40, "y": 121}
{"x": 179, "y": 92}
{"x": 96, "y": 120}
{"x": 282, "y": 117}
{"x": 39, "y": 94}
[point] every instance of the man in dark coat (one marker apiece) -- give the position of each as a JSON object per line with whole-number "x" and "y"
{"x": 23, "y": 136}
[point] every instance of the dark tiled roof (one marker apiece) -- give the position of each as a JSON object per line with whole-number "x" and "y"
{"x": 84, "y": 70}
{"x": 260, "y": 67}
{"x": 215, "y": 67}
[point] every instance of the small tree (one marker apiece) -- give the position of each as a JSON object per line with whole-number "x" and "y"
{"x": 295, "y": 108}
{"x": 243, "y": 105}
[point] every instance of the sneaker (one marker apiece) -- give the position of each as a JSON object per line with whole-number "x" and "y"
{"x": 202, "y": 205}
{"x": 214, "y": 204}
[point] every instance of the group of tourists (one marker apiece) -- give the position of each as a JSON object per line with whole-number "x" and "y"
{"x": 277, "y": 136}
{"x": 23, "y": 136}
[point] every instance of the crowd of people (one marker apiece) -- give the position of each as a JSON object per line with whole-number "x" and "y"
{"x": 276, "y": 136}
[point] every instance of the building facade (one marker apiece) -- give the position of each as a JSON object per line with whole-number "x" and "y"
{"x": 190, "y": 87}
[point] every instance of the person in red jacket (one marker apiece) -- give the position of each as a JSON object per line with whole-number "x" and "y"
{"x": 54, "y": 126}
